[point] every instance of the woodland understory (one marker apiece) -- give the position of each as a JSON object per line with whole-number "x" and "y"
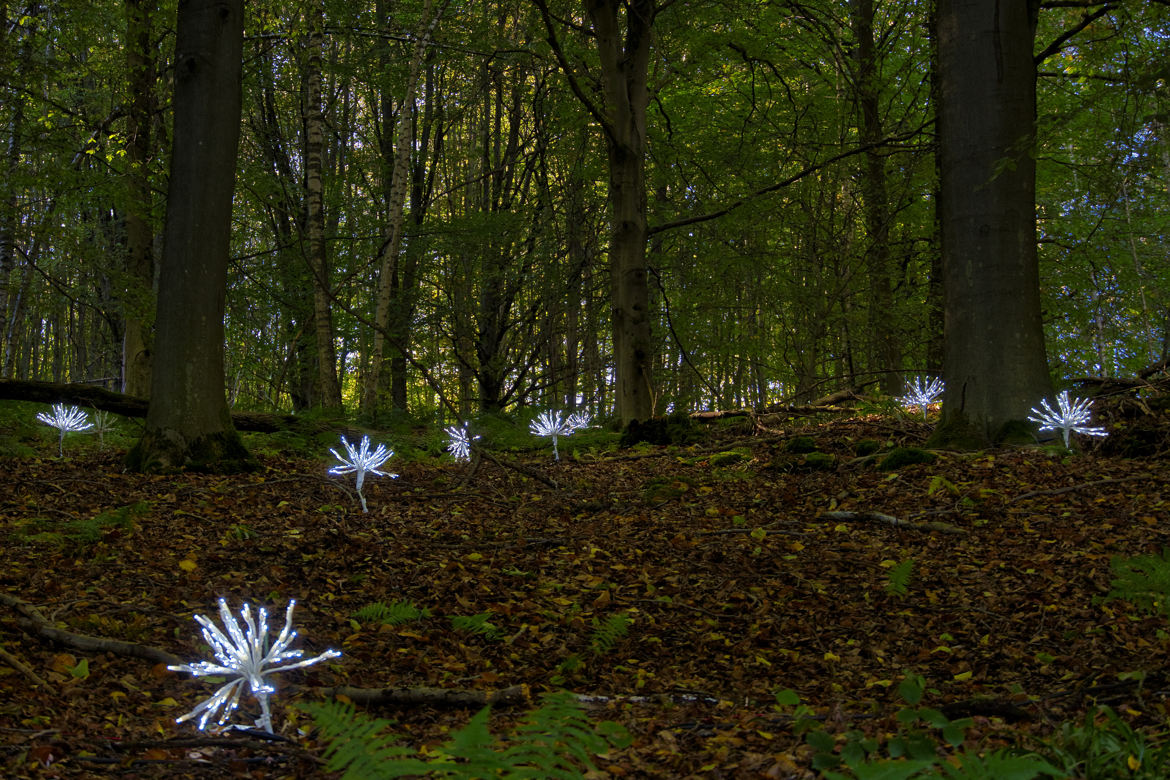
{"x": 736, "y": 582}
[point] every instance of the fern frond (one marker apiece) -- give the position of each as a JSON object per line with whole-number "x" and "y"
{"x": 1143, "y": 580}
{"x": 476, "y": 624}
{"x": 557, "y": 740}
{"x": 898, "y": 578}
{"x": 399, "y": 612}
{"x": 607, "y": 633}
{"x": 357, "y": 746}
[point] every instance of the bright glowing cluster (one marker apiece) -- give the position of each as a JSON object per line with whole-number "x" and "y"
{"x": 921, "y": 395}
{"x": 65, "y": 420}
{"x": 361, "y": 461}
{"x": 459, "y": 442}
{"x": 1068, "y": 417}
{"x": 243, "y": 653}
{"x": 553, "y": 424}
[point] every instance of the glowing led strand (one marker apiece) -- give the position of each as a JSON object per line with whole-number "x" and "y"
{"x": 551, "y": 424}
{"x": 244, "y": 653}
{"x": 922, "y": 396}
{"x": 360, "y": 461}
{"x": 1069, "y": 418}
{"x": 65, "y": 420}
{"x": 459, "y": 443}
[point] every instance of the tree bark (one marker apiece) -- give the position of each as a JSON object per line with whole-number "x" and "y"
{"x": 138, "y": 297}
{"x": 883, "y": 351}
{"x": 624, "y": 65}
{"x": 327, "y": 389}
{"x": 994, "y": 364}
{"x": 395, "y": 283}
{"x": 624, "y": 70}
{"x": 188, "y": 423}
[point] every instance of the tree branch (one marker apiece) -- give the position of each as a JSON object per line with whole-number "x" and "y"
{"x": 808, "y": 170}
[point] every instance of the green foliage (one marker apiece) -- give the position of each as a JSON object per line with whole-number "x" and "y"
{"x": 912, "y": 753}
{"x": 477, "y": 624}
{"x": 399, "y": 612}
{"x": 1143, "y": 580}
{"x": 866, "y": 447}
{"x": 81, "y": 532}
{"x": 898, "y": 578}
{"x": 1104, "y": 746}
{"x": 819, "y": 461}
{"x": 729, "y": 458}
{"x": 799, "y": 445}
{"x": 906, "y": 456}
{"x": 607, "y": 633}
{"x": 556, "y": 740}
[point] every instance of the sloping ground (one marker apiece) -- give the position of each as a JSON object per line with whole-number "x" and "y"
{"x": 736, "y": 586}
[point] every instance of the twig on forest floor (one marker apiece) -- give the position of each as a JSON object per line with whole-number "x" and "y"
{"x": 878, "y": 517}
{"x": 518, "y": 467}
{"x": 23, "y": 668}
{"x": 1079, "y": 486}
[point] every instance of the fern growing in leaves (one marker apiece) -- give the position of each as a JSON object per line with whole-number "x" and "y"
{"x": 556, "y": 740}
{"x": 1143, "y": 580}
{"x": 476, "y": 624}
{"x": 898, "y": 578}
{"x": 399, "y": 612}
{"x": 607, "y": 633}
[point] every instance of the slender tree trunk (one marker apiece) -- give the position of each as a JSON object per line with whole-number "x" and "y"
{"x": 138, "y": 298}
{"x": 994, "y": 367}
{"x": 188, "y": 423}
{"x": 624, "y": 69}
{"x": 392, "y": 294}
{"x": 884, "y": 354}
{"x": 328, "y": 391}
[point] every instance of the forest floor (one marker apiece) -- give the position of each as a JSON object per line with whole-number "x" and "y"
{"x": 734, "y": 582}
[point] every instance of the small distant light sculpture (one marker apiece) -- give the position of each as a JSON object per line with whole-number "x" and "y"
{"x": 65, "y": 420}
{"x": 1068, "y": 417}
{"x": 361, "y": 461}
{"x": 551, "y": 424}
{"x": 921, "y": 395}
{"x": 459, "y": 442}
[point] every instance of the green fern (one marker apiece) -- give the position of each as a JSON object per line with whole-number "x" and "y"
{"x": 607, "y": 633}
{"x": 898, "y": 578}
{"x": 399, "y": 612}
{"x": 477, "y": 624}
{"x": 556, "y": 740}
{"x": 1143, "y": 580}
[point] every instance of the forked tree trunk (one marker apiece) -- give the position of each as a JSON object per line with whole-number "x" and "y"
{"x": 188, "y": 423}
{"x": 393, "y": 294}
{"x": 994, "y": 365}
{"x": 624, "y": 75}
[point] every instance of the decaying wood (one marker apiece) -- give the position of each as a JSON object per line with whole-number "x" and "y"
{"x": 878, "y": 517}
{"x": 130, "y": 406}
{"x": 33, "y": 621}
{"x": 513, "y": 696}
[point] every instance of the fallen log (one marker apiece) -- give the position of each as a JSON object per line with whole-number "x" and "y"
{"x": 132, "y": 406}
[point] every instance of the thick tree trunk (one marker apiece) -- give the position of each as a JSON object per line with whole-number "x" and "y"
{"x": 138, "y": 298}
{"x": 327, "y": 389}
{"x": 188, "y": 424}
{"x": 994, "y": 366}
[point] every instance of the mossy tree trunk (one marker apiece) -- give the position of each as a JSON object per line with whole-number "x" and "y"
{"x": 188, "y": 424}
